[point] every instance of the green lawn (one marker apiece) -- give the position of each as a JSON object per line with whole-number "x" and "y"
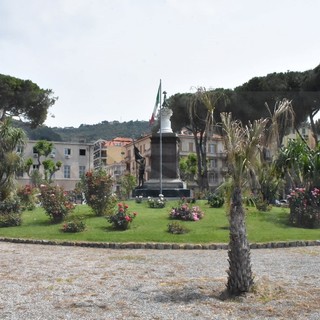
{"x": 150, "y": 225}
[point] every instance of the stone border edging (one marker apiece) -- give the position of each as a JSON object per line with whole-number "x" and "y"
{"x": 162, "y": 246}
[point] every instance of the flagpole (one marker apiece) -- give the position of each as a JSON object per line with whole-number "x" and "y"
{"x": 160, "y": 172}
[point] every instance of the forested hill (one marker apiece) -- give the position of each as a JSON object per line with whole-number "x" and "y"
{"x": 107, "y": 130}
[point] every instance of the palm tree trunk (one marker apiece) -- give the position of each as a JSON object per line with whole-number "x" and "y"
{"x": 240, "y": 277}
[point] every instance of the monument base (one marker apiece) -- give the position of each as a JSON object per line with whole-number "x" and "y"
{"x": 173, "y": 188}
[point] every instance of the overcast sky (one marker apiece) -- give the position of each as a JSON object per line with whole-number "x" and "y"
{"x": 104, "y": 58}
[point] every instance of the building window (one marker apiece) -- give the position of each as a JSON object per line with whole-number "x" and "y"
{"x": 82, "y": 171}
{"x": 213, "y": 163}
{"x": 20, "y": 149}
{"x": 103, "y": 153}
{"x": 213, "y": 178}
{"x": 53, "y": 153}
{"x": 82, "y": 152}
{"x": 66, "y": 172}
{"x": 67, "y": 151}
{"x": 190, "y": 146}
{"x": 213, "y": 148}
{"x": 35, "y": 167}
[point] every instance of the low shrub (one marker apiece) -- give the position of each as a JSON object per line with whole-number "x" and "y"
{"x": 262, "y": 205}
{"x": 185, "y": 212}
{"x": 10, "y": 212}
{"x": 73, "y": 226}
{"x": 157, "y": 203}
{"x": 215, "y": 200}
{"x": 187, "y": 200}
{"x": 139, "y": 199}
{"x": 121, "y": 219}
{"x": 177, "y": 228}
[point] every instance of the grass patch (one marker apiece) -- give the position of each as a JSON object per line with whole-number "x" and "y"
{"x": 151, "y": 225}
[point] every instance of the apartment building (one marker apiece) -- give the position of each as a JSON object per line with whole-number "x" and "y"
{"x": 216, "y": 157}
{"x": 305, "y": 132}
{"x": 110, "y": 155}
{"x": 76, "y": 158}
{"x": 106, "y": 153}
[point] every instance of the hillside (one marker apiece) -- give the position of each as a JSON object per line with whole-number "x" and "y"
{"x": 89, "y": 133}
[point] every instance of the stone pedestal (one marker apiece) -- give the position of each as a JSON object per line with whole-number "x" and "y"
{"x": 172, "y": 186}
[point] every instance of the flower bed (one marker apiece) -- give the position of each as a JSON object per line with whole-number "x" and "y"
{"x": 157, "y": 203}
{"x": 187, "y": 212}
{"x": 121, "y": 219}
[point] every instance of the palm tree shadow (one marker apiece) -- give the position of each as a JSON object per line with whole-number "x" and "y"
{"x": 188, "y": 295}
{"x": 180, "y": 296}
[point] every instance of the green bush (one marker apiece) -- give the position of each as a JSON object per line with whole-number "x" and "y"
{"x": 215, "y": 200}
{"x": 73, "y": 226}
{"x": 55, "y": 202}
{"x": 177, "y": 228}
{"x": 10, "y": 212}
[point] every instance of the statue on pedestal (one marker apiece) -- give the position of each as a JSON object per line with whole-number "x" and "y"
{"x": 141, "y": 161}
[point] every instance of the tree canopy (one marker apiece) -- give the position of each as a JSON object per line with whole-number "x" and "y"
{"x": 25, "y": 100}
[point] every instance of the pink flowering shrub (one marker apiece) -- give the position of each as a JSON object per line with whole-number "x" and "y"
{"x": 305, "y": 207}
{"x": 55, "y": 202}
{"x": 28, "y": 197}
{"x": 186, "y": 212}
{"x": 97, "y": 188}
{"x": 122, "y": 218}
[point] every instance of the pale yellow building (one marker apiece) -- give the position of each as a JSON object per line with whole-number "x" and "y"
{"x": 76, "y": 158}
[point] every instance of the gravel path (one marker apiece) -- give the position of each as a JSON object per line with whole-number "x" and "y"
{"x": 57, "y": 282}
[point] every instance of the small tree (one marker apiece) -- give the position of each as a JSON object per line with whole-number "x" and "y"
{"x": 127, "y": 184}
{"x": 44, "y": 148}
{"x": 97, "y": 188}
{"x": 188, "y": 167}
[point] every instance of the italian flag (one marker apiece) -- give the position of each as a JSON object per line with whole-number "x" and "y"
{"x": 151, "y": 121}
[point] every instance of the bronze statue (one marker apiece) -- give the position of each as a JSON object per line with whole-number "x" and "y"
{"x": 142, "y": 165}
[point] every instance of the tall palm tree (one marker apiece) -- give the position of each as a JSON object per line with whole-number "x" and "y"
{"x": 242, "y": 144}
{"x": 246, "y": 149}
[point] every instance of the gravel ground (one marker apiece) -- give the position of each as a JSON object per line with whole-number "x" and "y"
{"x": 57, "y": 282}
